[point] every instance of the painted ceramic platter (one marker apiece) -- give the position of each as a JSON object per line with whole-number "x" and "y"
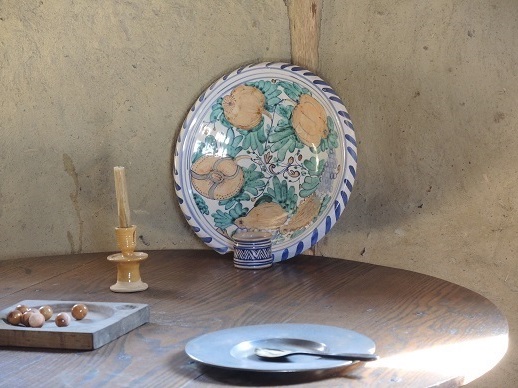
{"x": 268, "y": 147}
{"x": 235, "y": 348}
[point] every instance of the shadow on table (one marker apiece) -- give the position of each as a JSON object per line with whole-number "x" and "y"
{"x": 247, "y": 378}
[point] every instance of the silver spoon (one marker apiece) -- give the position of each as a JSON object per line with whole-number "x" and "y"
{"x": 273, "y": 354}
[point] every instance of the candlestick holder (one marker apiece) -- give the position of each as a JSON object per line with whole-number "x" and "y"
{"x": 128, "y": 262}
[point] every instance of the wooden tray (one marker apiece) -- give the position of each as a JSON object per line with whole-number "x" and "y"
{"x": 103, "y": 323}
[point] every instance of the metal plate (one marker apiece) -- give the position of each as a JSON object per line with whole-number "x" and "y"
{"x": 234, "y": 348}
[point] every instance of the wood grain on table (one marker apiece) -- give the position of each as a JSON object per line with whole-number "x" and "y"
{"x": 427, "y": 331}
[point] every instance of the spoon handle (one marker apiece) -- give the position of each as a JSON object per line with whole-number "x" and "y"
{"x": 346, "y": 357}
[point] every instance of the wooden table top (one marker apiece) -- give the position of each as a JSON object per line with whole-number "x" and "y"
{"x": 427, "y": 331}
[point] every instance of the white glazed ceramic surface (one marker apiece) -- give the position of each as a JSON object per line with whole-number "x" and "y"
{"x": 269, "y": 147}
{"x": 235, "y": 348}
{"x": 251, "y": 237}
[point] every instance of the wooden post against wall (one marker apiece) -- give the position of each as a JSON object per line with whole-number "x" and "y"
{"x": 304, "y": 16}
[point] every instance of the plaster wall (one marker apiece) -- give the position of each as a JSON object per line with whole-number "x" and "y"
{"x": 431, "y": 87}
{"x": 90, "y": 85}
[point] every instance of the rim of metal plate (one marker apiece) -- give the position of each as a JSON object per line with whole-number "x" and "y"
{"x": 324, "y": 224}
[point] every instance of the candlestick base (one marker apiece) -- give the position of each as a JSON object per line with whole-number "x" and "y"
{"x": 128, "y": 262}
{"x": 128, "y": 272}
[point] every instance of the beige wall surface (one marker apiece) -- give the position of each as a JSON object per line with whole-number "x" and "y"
{"x": 432, "y": 88}
{"x": 89, "y": 85}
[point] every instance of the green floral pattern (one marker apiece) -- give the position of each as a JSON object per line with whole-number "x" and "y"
{"x": 277, "y": 166}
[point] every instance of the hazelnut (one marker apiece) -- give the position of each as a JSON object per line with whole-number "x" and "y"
{"x": 14, "y": 317}
{"x": 36, "y": 320}
{"x": 79, "y": 311}
{"x": 22, "y": 308}
{"x": 62, "y": 319}
{"x": 25, "y": 317}
{"x": 46, "y": 311}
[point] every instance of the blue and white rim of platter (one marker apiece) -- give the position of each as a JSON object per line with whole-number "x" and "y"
{"x": 262, "y": 189}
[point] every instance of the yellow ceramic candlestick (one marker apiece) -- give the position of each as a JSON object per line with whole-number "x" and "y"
{"x": 128, "y": 262}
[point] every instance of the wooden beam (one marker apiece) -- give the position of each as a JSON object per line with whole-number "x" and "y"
{"x": 304, "y": 17}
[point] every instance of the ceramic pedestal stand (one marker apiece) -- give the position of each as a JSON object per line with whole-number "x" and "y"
{"x": 128, "y": 262}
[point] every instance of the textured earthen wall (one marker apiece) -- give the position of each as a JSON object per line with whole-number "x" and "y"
{"x": 90, "y": 85}
{"x": 432, "y": 88}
